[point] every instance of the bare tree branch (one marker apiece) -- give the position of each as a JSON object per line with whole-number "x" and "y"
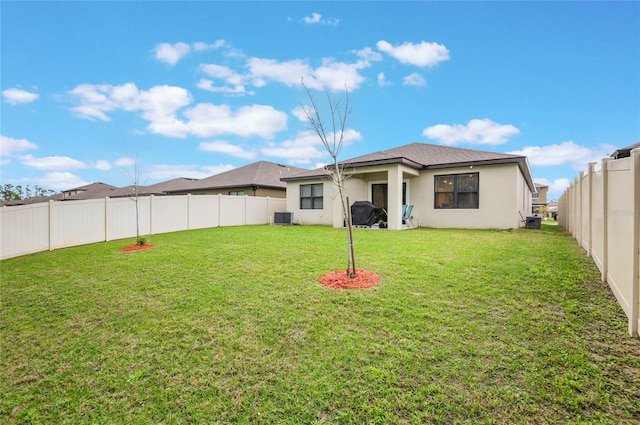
{"x": 338, "y": 115}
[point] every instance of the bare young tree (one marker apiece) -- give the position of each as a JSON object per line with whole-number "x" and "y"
{"x": 134, "y": 178}
{"x": 333, "y": 140}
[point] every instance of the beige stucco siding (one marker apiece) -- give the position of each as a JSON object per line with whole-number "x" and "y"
{"x": 503, "y": 193}
{"x": 497, "y": 199}
{"x": 306, "y": 216}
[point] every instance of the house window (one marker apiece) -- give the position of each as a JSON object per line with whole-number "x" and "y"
{"x": 457, "y": 191}
{"x": 311, "y": 197}
{"x": 534, "y": 195}
{"x": 236, "y": 192}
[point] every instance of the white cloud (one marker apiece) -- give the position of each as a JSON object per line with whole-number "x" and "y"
{"x": 15, "y": 96}
{"x": 171, "y": 53}
{"x": 60, "y": 181}
{"x": 160, "y": 105}
{"x": 9, "y": 145}
{"x": 102, "y": 165}
{"x": 476, "y": 131}
{"x": 382, "y": 80}
{"x": 369, "y": 55}
{"x": 423, "y": 54}
{"x": 125, "y": 162}
{"x": 217, "y": 169}
{"x": 555, "y": 186}
{"x": 414, "y": 79}
{"x": 56, "y": 163}
{"x": 226, "y": 148}
{"x": 201, "y": 46}
{"x": 206, "y": 120}
{"x": 316, "y": 18}
{"x": 299, "y": 112}
{"x": 237, "y": 90}
{"x": 167, "y": 172}
{"x": 332, "y": 74}
{"x": 313, "y": 19}
{"x": 563, "y": 153}
{"x": 223, "y": 73}
{"x": 288, "y": 73}
{"x": 306, "y": 147}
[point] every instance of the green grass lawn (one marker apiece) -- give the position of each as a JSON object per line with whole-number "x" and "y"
{"x": 229, "y": 325}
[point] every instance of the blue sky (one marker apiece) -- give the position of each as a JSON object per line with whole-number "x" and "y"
{"x": 192, "y": 89}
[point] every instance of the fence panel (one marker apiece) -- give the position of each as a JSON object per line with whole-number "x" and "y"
{"x": 598, "y": 216}
{"x": 77, "y": 223}
{"x": 25, "y": 229}
{"x": 204, "y": 211}
{"x": 605, "y": 219}
{"x": 232, "y": 210}
{"x": 585, "y": 207}
{"x": 169, "y": 213}
{"x": 121, "y": 217}
{"x": 50, "y": 225}
{"x": 620, "y": 220}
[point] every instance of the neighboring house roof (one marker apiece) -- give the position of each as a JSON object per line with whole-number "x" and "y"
{"x": 89, "y": 191}
{"x": 624, "y": 152}
{"x": 263, "y": 174}
{"x": 423, "y": 156}
{"x": 540, "y": 186}
{"x": 32, "y": 200}
{"x": 161, "y": 188}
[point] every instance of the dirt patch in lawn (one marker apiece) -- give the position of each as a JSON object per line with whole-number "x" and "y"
{"x": 136, "y": 247}
{"x": 339, "y": 280}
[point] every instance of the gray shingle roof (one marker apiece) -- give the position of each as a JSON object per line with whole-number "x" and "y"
{"x": 261, "y": 173}
{"x": 426, "y": 156}
{"x": 423, "y": 155}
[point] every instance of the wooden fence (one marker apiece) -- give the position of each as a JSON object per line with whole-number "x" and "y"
{"x": 50, "y": 225}
{"x": 601, "y": 209}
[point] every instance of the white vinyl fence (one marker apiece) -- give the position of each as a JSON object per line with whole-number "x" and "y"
{"x": 601, "y": 209}
{"x": 50, "y": 225}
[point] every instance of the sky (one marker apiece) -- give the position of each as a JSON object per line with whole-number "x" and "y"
{"x": 92, "y": 90}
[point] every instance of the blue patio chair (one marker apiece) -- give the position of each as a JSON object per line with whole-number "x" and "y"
{"x": 406, "y": 214}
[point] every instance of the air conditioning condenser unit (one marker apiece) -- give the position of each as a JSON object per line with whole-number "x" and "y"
{"x": 283, "y": 218}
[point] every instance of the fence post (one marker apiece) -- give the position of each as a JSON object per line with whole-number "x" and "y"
{"x": 590, "y": 171}
{"x": 151, "y": 215}
{"x": 605, "y": 214}
{"x": 188, "y": 211}
{"x": 50, "y": 225}
{"x": 634, "y": 323}
{"x": 106, "y": 218}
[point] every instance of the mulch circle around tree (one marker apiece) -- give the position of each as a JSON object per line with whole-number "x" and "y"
{"x": 136, "y": 247}
{"x": 339, "y": 280}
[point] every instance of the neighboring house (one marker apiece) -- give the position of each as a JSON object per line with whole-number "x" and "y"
{"x": 539, "y": 202}
{"x": 89, "y": 191}
{"x": 624, "y": 152}
{"x": 449, "y": 188}
{"x": 261, "y": 178}
{"x": 552, "y": 210}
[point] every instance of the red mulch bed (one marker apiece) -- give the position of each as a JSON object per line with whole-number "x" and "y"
{"x": 136, "y": 247}
{"x": 339, "y": 280}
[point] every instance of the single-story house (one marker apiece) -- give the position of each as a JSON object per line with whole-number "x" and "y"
{"x": 539, "y": 199}
{"x": 262, "y": 178}
{"x": 448, "y": 188}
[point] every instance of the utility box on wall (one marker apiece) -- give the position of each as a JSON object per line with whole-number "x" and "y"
{"x": 283, "y": 218}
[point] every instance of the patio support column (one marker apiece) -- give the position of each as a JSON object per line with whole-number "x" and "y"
{"x": 394, "y": 218}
